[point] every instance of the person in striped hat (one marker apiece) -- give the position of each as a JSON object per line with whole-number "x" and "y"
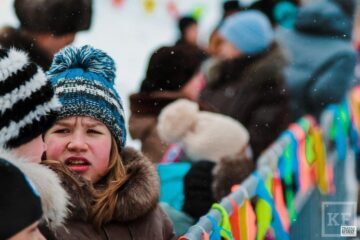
{"x": 26, "y": 99}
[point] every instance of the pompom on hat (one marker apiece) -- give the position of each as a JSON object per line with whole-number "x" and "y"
{"x": 84, "y": 80}
{"x": 203, "y": 135}
{"x": 27, "y": 99}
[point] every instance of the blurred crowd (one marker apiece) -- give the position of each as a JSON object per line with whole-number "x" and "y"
{"x": 203, "y": 114}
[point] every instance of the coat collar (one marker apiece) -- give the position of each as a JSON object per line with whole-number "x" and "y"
{"x": 54, "y": 199}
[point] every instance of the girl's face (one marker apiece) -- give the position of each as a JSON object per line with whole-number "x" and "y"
{"x": 81, "y": 143}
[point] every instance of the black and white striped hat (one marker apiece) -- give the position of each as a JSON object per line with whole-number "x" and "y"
{"x": 26, "y": 99}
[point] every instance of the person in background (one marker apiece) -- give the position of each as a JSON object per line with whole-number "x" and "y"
{"x": 217, "y": 149}
{"x": 26, "y": 99}
{"x": 114, "y": 189}
{"x": 229, "y": 7}
{"x": 322, "y": 56}
{"x": 20, "y": 205}
{"x": 46, "y": 27}
{"x": 188, "y": 28}
{"x": 171, "y": 74}
{"x": 277, "y": 10}
{"x": 246, "y": 81}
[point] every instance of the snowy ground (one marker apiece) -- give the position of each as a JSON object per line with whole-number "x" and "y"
{"x": 129, "y": 34}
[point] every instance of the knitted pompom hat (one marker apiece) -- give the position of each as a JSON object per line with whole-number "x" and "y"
{"x": 27, "y": 99}
{"x": 203, "y": 135}
{"x": 84, "y": 80}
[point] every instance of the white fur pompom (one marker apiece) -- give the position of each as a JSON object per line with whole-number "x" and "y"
{"x": 176, "y": 120}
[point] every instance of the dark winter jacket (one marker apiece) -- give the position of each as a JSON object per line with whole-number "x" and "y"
{"x": 137, "y": 215}
{"x": 252, "y": 91}
{"x": 11, "y": 37}
{"x": 322, "y": 57}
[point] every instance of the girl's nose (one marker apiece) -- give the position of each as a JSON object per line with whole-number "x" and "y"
{"x": 77, "y": 143}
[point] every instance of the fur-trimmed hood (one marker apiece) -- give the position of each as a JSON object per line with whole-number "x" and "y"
{"x": 54, "y": 199}
{"x": 137, "y": 197}
{"x": 11, "y": 37}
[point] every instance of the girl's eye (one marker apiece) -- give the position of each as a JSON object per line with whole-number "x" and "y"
{"x": 93, "y": 131}
{"x": 62, "y": 130}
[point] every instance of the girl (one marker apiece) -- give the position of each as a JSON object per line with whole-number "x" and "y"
{"x": 114, "y": 190}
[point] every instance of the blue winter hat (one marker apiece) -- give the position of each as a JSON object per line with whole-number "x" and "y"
{"x": 250, "y": 31}
{"x": 83, "y": 78}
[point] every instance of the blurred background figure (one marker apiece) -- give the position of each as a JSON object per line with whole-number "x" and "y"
{"x": 171, "y": 74}
{"x": 322, "y": 56}
{"x": 281, "y": 12}
{"x": 20, "y": 205}
{"x": 229, "y": 8}
{"x": 46, "y": 27}
{"x": 216, "y": 148}
{"x": 247, "y": 83}
{"x": 188, "y": 28}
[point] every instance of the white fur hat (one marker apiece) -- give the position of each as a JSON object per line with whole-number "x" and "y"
{"x": 204, "y": 135}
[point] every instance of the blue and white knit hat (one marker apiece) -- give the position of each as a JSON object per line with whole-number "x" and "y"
{"x": 84, "y": 81}
{"x": 27, "y": 99}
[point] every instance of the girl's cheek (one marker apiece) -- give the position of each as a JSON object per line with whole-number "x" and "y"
{"x": 55, "y": 149}
{"x": 103, "y": 163}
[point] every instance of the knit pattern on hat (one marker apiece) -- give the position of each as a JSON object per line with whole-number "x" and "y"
{"x": 27, "y": 99}
{"x": 84, "y": 80}
{"x": 250, "y": 31}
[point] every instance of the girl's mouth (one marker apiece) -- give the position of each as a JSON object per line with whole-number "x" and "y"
{"x": 77, "y": 164}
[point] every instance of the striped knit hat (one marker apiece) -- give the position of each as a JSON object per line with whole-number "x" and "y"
{"x": 84, "y": 80}
{"x": 26, "y": 99}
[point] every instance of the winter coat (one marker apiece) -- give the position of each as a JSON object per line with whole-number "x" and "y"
{"x": 54, "y": 199}
{"x": 11, "y": 37}
{"x": 137, "y": 214}
{"x": 322, "y": 57}
{"x": 252, "y": 91}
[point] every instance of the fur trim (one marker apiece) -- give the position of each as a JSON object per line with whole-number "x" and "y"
{"x": 176, "y": 120}
{"x": 54, "y": 199}
{"x": 141, "y": 193}
{"x": 137, "y": 197}
{"x": 204, "y": 135}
